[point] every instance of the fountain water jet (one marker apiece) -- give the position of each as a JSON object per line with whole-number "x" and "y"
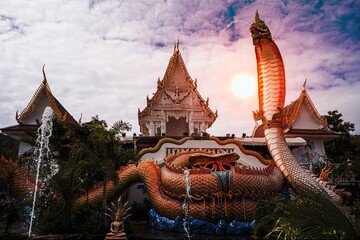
{"x": 42, "y": 150}
{"x": 186, "y": 205}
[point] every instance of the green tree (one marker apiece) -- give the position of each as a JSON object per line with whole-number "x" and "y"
{"x": 101, "y": 151}
{"x": 267, "y": 214}
{"x": 345, "y": 149}
{"x": 121, "y": 127}
{"x": 337, "y": 124}
{"x": 87, "y": 155}
{"x": 339, "y": 149}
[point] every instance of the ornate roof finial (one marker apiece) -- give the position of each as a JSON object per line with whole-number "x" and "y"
{"x": 304, "y": 84}
{"x": 176, "y": 46}
{"x": 80, "y": 119}
{"x": 17, "y": 115}
{"x": 44, "y": 75}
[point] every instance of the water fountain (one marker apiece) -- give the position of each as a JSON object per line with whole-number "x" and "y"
{"x": 186, "y": 204}
{"x": 41, "y": 152}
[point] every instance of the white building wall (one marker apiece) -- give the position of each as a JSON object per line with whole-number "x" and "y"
{"x": 305, "y": 120}
{"x": 312, "y": 154}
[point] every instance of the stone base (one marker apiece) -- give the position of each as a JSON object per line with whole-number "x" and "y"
{"x": 121, "y": 236}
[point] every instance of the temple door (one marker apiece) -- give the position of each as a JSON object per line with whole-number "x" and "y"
{"x": 177, "y": 127}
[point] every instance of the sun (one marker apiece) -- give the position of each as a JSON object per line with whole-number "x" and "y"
{"x": 243, "y": 86}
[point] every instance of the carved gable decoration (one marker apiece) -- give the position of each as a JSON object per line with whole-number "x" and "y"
{"x": 177, "y": 106}
{"x": 293, "y": 110}
{"x": 43, "y": 97}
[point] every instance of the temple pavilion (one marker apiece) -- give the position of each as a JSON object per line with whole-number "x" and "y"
{"x": 30, "y": 118}
{"x": 177, "y": 108}
{"x": 303, "y": 120}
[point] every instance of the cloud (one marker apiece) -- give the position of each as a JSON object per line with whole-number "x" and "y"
{"x": 104, "y": 57}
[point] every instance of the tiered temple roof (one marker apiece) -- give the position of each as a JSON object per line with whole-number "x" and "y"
{"x": 29, "y": 118}
{"x": 177, "y": 108}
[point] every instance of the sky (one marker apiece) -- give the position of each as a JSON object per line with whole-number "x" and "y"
{"x": 103, "y": 57}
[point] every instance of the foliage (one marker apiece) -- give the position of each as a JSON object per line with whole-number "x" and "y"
{"x": 337, "y": 124}
{"x": 11, "y": 208}
{"x": 121, "y": 126}
{"x": 313, "y": 216}
{"x": 339, "y": 149}
{"x": 88, "y": 155}
{"x": 355, "y": 210}
{"x": 344, "y": 148}
{"x": 11, "y": 212}
{"x": 267, "y": 214}
{"x": 9, "y": 147}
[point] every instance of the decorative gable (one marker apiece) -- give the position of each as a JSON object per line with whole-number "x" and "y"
{"x": 29, "y": 118}
{"x": 177, "y": 108}
{"x": 302, "y": 114}
{"x": 42, "y": 98}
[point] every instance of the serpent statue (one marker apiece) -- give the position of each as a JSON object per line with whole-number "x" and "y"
{"x": 271, "y": 91}
{"x": 221, "y": 187}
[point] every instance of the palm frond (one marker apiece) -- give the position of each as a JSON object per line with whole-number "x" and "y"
{"x": 315, "y": 217}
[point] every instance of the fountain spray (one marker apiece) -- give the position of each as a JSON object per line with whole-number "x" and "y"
{"x": 187, "y": 202}
{"x": 41, "y": 150}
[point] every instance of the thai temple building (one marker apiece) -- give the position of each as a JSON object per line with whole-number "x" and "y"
{"x": 30, "y": 118}
{"x": 177, "y": 108}
{"x": 303, "y": 120}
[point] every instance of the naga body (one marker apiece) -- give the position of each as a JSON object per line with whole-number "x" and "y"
{"x": 271, "y": 91}
{"x": 221, "y": 187}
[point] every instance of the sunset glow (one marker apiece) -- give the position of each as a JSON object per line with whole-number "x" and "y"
{"x": 243, "y": 86}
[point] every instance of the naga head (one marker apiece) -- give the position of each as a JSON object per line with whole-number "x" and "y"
{"x": 259, "y": 29}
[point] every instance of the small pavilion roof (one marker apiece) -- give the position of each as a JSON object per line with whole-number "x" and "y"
{"x": 56, "y": 106}
{"x": 292, "y": 111}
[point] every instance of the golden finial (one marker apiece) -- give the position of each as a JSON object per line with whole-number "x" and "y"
{"x": 17, "y": 115}
{"x": 176, "y": 46}
{"x": 304, "y": 84}
{"x": 44, "y": 75}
